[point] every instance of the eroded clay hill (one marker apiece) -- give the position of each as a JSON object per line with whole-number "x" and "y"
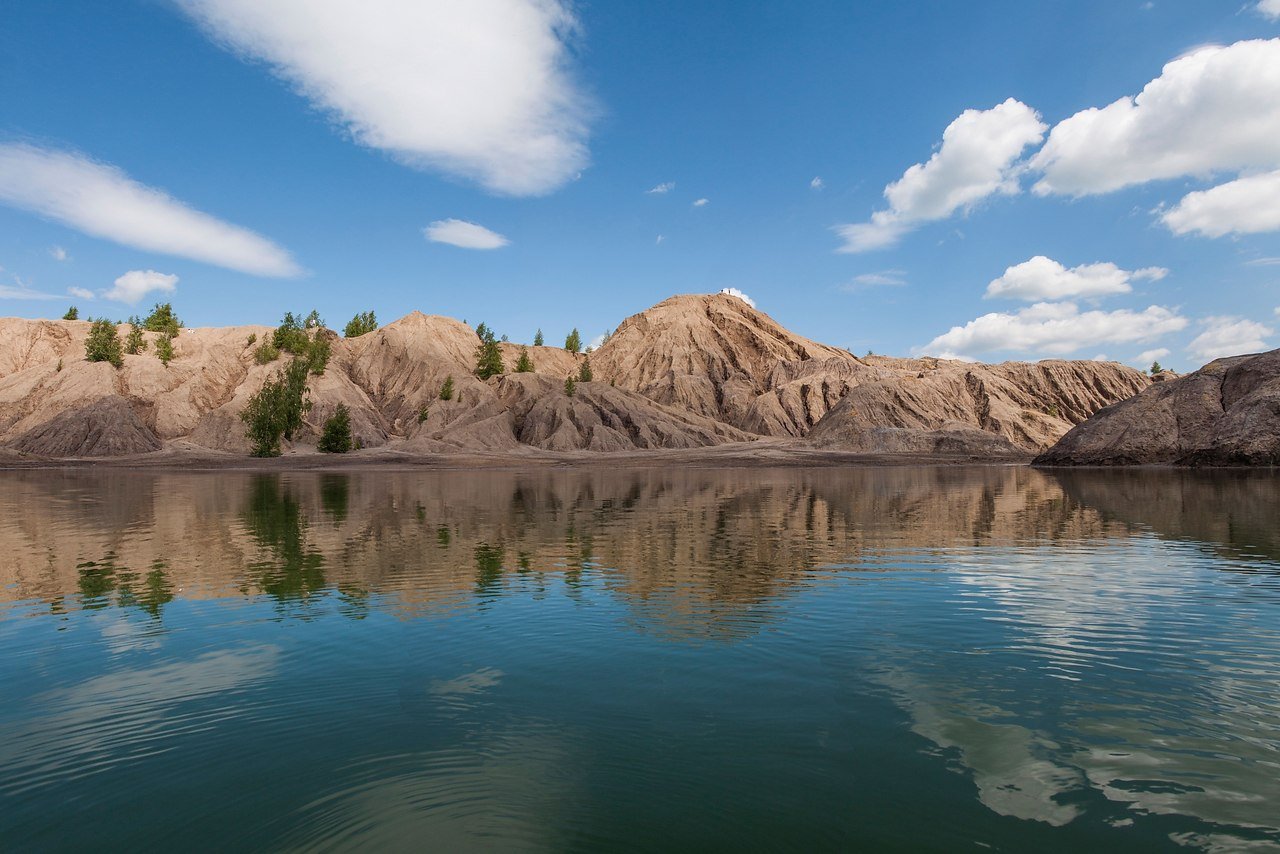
{"x": 691, "y": 372}
{"x": 1226, "y": 413}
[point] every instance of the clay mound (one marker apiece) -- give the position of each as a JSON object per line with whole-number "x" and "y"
{"x": 548, "y": 361}
{"x": 711, "y": 355}
{"x": 1028, "y": 404}
{"x": 802, "y": 393}
{"x": 108, "y": 427}
{"x": 600, "y": 417}
{"x": 1226, "y": 413}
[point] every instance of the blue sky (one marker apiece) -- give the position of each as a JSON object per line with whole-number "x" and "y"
{"x": 256, "y": 159}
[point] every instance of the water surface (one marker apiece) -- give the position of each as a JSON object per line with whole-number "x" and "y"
{"x": 897, "y": 658}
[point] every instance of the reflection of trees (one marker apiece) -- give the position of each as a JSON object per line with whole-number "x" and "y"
{"x": 104, "y": 582}
{"x": 273, "y": 516}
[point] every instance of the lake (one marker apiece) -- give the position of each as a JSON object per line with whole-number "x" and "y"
{"x": 914, "y": 658}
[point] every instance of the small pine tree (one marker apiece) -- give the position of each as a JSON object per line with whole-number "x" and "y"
{"x": 524, "y": 365}
{"x": 569, "y": 385}
{"x": 336, "y": 436}
{"x": 584, "y": 370}
{"x": 488, "y": 354}
{"x": 102, "y": 345}
{"x": 1156, "y": 369}
{"x": 537, "y": 337}
{"x": 446, "y": 390}
{"x": 424, "y": 412}
{"x": 573, "y": 341}
{"x": 73, "y": 313}
{"x": 362, "y": 324}
{"x": 134, "y": 342}
{"x": 162, "y": 319}
{"x": 164, "y": 349}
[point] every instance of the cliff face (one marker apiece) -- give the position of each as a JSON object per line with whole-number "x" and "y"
{"x": 1226, "y": 413}
{"x": 693, "y": 371}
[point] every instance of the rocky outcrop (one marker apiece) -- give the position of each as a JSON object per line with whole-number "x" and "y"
{"x": 1226, "y": 413}
{"x": 691, "y": 372}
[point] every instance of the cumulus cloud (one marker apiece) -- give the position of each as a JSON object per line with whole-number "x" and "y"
{"x": 82, "y": 293}
{"x": 977, "y": 159}
{"x": 103, "y": 201}
{"x": 1146, "y": 357}
{"x": 661, "y": 189}
{"x": 817, "y": 183}
{"x": 21, "y": 290}
{"x": 734, "y": 292}
{"x": 1229, "y": 336}
{"x": 468, "y": 235}
{"x": 701, "y": 203}
{"x": 1245, "y": 206}
{"x": 1270, "y": 8}
{"x": 478, "y": 89}
{"x": 1214, "y": 110}
{"x": 1052, "y": 329}
{"x": 136, "y": 284}
{"x": 1042, "y": 278}
{"x": 57, "y": 253}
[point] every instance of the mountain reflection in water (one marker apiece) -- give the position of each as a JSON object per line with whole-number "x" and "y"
{"x": 740, "y": 657}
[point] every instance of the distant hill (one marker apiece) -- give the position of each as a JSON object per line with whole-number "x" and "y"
{"x": 692, "y": 372}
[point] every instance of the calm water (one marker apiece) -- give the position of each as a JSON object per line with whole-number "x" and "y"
{"x": 903, "y": 658}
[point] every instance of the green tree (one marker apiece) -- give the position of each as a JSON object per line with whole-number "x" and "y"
{"x": 277, "y": 409}
{"x": 313, "y": 321}
{"x": 73, "y": 313}
{"x": 290, "y": 337}
{"x": 266, "y": 353}
{"x": 135, "y": 342}
{"x": 573, "y": 341}
{"x": 362, "y": 324}
{"x": 488, "y": 354}
{"x": 569, "y": 385}
{"x": 336, "y": 436}
{"x": 102, "y": 345}
{"x": 164, "y": 349}
{"x": 524, "y": 365}
{"x": 537, "y": 338}
{"x": 162, "y": 319}
{"x": 584, "y": 370}
{"x": 1156, "y": 369}
{"x": 446, "y": 390}
{"x": 317, "y": 355}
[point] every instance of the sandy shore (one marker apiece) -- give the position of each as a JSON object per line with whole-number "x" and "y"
{"x": 762, "y": 454}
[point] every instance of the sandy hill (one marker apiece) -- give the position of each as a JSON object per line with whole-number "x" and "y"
{"x": 1226, "y": 413}
{"x": 691, "y": 372}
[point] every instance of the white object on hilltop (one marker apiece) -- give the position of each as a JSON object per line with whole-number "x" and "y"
{"x": 734, "y": 292}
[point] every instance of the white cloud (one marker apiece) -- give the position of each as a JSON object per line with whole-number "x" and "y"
{"x": 662, "y": 189}
{"x": 976, "y": 160}
{"x": 1270, "y": 8}
{"x": 479, "y": 89}
{"x": 1052, "y": 329}
{"x": 817, "y": 183}
{"x": 468, "y": 235}
{"x": 1263, "y": 262}
{"x": 1101, "y": 357}
{"x": 1245, "y": 206}
{"x": 1214, "y": 110}
{"x": 82, "y": 293}
{"x": 701, "y": 203}
{"x": 1146, "y": 357}
{"x": 1229, "y": 336}
{"x": 661, "y": 238}
{"x": 136, "y": 284}
{"x": 1277, "y": 311}
{"x": 57, "y": 253}
{"x": 884, "y": 278}
{"x": 1042, "y": 278}
{"x": 734, "y": 292}
{"x": 102, "y": 201}
{"x": 21, "y": 290}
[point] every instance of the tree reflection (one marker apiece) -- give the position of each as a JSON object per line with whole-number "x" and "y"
{"x": 274, "y": 518}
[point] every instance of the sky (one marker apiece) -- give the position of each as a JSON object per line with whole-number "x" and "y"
{"x": 995, "y": 180}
